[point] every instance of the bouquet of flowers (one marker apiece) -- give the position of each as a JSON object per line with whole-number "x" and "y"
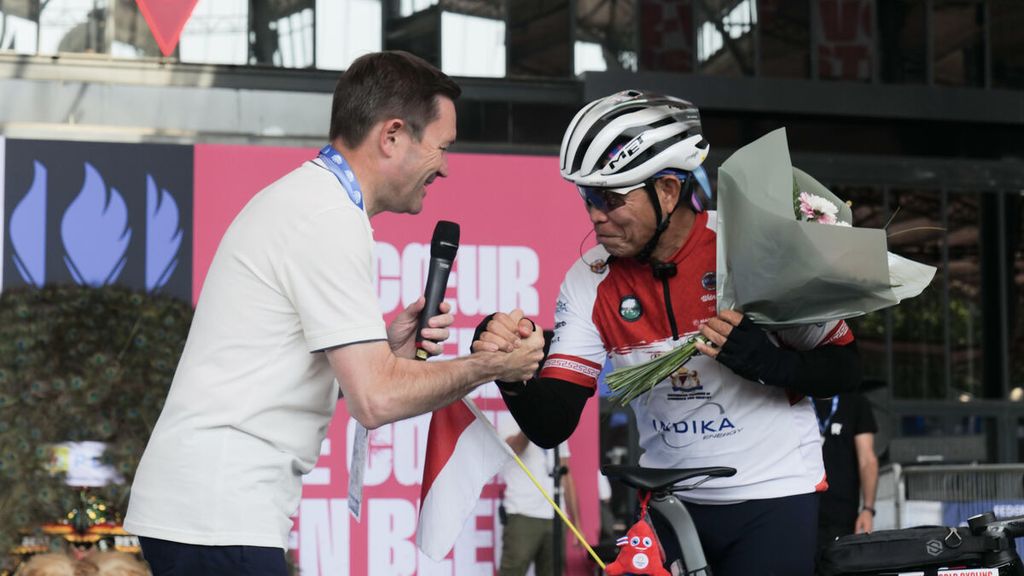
{"x": 778, "y": 265}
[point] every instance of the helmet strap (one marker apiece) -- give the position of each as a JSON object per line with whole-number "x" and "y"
{"x": 652, "y": 193}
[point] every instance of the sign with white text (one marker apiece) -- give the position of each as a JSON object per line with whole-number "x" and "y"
{"x": 521, "y": 229}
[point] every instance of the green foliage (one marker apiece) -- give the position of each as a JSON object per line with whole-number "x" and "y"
{"x": 79, "y": 364}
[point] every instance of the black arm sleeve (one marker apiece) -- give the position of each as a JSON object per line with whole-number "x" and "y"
{"x": 547, "y": 410}
{"x": 821, "y": 372}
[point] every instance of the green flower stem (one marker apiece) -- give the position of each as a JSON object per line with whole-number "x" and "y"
{"x": 630, "y": 382}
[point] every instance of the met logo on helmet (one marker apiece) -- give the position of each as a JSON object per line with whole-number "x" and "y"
{"x": 627, "y": 152}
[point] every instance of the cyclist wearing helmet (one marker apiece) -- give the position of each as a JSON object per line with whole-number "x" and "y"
{"x": 636, "y": 160}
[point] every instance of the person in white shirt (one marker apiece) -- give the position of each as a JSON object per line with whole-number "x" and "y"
{"x": 288, "y": 321}
{"x": 528, "y": 535}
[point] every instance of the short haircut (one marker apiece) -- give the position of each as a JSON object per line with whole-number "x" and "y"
{"x": 382, "y": 85}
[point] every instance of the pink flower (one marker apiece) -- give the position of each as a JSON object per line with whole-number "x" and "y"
{"x": 817, "y": 209}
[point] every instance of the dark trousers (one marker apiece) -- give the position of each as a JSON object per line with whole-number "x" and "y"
{"x": 772, "y": 537}
{"x": 175, "y": 559}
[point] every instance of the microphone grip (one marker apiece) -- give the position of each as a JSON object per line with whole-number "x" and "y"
{"x": 437, "y": 283}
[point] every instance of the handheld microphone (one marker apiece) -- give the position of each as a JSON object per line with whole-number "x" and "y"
{"x": 443, "y": 247}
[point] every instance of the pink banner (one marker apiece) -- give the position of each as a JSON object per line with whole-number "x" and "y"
{"x": 522, "y": 226}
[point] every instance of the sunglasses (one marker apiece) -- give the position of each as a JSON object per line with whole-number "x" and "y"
{"x": 608, "y": 199}
{"x": 605, "y": 199}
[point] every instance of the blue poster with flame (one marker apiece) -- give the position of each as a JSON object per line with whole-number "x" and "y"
{"x": 96, "y": 214}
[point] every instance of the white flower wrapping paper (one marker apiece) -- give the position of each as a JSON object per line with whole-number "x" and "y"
{"x": 784, "y": 272}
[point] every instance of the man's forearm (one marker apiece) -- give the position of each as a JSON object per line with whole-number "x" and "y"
{"x": 381, "y": 388}
{"x": 869, "y": 483}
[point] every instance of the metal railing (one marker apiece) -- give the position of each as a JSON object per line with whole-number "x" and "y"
{"x": 938, "y": 494}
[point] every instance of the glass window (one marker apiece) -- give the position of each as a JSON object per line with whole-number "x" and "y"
{"x": 965, "y": 296}
{"x": 950, "y": 439}
{"x": 345, "y": 30}
{"x": 785, "y": 39}
{"x": 281, "y": 33}
{"x": 959, "y": 51}
{"x": 725, "y": 37}
{"x": 918, "y": 425}
{"x": 918, "y": 324}
{"x": 666, "y": 35}
{"x": 844, "y": 38}
{"x": 217, "y": 33}
{"x": 588, "y": 56}
{"x": 418, "y": 32}
{"x": 410, "y": 7}
{"x": 1020, "y": 438}
{"x": 539, "y": 38}
{"x": 132, "y": 36}
{"x": 73, "y": 26}
{"x": 19, "y": 27}
{"x": 472, "y": 46}
{"x": 980, "y": 427}
{"x": 903, "y": 40}
{"x": 1015, "y": 290}
{"x": 1006, "y": 20}
{"x": 605, "y": 35}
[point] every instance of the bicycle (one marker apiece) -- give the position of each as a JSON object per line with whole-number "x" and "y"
{"x": 986, "y": 547}
{"x": 685, "y": 555}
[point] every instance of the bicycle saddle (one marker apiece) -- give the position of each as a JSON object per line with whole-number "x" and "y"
{"x": 657, "y": 479}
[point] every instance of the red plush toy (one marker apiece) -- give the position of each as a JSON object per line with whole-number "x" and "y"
{"x": 641, "y": 553}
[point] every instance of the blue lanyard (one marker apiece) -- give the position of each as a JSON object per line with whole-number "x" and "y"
{"x": 823, "y": 425}
{"x": 336, "y": 163}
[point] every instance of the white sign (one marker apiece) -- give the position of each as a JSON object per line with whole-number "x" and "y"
{"x": 83, "y": 465}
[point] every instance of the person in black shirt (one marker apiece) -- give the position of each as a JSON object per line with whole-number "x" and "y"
{"x": 848, "y": 429}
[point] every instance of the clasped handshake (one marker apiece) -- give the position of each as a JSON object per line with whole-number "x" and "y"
{"x": 509, "y": 345}
{"x": 514, "y": 342}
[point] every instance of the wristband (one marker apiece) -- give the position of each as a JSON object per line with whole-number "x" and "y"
{"x": 868, "y": 509}
{"x": 512, "y": 388}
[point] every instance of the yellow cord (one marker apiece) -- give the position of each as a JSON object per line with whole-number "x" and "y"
{"x": 483, "y": 419}
{"x": 561, "y": 514}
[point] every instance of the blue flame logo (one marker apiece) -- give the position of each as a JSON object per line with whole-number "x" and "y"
{"x": 163, "y": 235}
{"x": 28, "y": 230}
{"x": 95, "y": 232}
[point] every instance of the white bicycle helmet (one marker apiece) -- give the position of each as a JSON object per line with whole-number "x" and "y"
{"x": 629, "y": 137}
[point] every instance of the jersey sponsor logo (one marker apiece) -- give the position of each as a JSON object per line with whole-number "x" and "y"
{"x": 630, "y": 309}
{"x": 707, "y": 298}
{"x": 707, "y": 281}
{"x": 686, "y": 385}
{"x": 706, "y": 423}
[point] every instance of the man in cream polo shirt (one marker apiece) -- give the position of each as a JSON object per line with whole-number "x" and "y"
{"x": 287, "y": 313}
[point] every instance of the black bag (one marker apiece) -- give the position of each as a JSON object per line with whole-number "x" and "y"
{"x": 922, "y": 547}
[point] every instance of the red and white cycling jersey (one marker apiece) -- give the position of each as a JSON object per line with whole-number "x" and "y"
{"x": 704, "y": 414}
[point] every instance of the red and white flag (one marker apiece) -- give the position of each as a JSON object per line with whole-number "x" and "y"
{"x": 463, "y": 453}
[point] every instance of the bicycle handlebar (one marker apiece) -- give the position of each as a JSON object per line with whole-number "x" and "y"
{"x": 1012, "y": 527}
{"x": 986, "y": 522}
